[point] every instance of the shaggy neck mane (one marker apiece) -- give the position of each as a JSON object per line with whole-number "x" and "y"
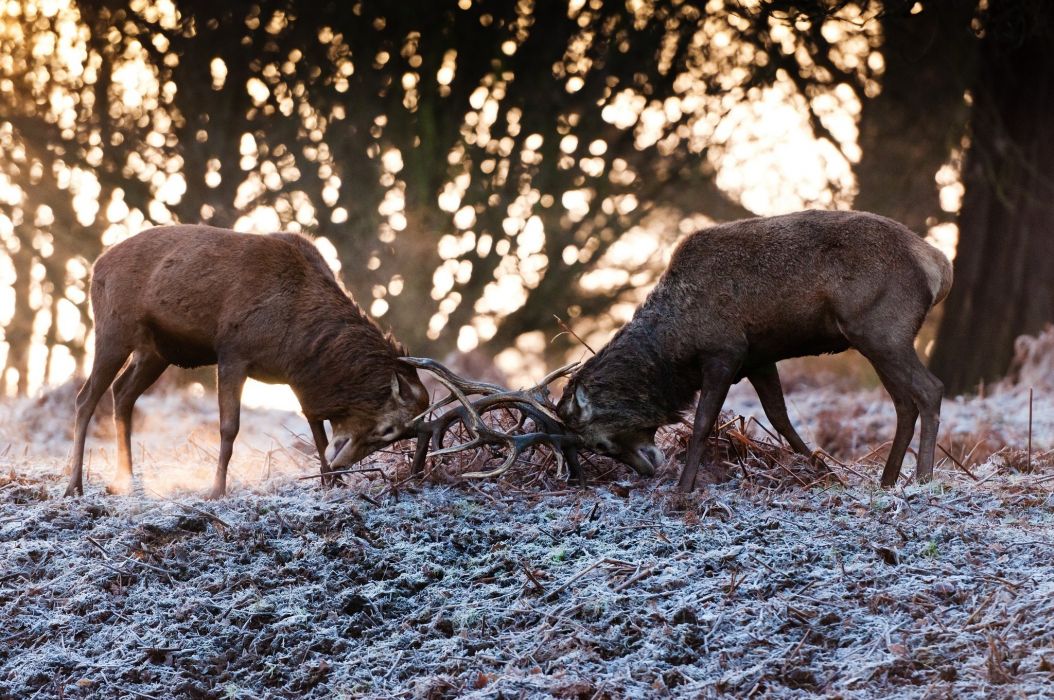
{"x": 346, "y": 363}
{"x": 633, "y": 367}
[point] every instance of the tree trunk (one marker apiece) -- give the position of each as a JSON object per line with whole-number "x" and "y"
{"x": 909, "y": 129}
{"x": 1004, "y": 268}
{"x": 414, "y": 253}
{"x": 19, "y": 332}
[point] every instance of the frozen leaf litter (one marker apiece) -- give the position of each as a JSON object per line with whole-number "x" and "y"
{"x": 790, "y": 580}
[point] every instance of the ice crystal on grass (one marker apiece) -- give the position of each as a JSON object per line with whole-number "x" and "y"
{"x": 791, "y": 579}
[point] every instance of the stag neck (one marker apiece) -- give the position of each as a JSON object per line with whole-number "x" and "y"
{"x": 656, "y": 363}
{"x": 337, "y": 359}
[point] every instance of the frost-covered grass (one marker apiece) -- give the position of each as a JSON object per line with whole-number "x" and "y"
{"x": 786, "y": 581}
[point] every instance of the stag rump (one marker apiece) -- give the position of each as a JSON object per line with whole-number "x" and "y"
{"x": 739, "y": 297}
{"x": 266, "y": 307}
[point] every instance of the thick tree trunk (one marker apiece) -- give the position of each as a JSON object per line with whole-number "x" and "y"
{"x": 18, "y": 334}
{"x": 1004, "y": 269}
{"x": 909, "y": 129}
{"x": 414, "y": 253}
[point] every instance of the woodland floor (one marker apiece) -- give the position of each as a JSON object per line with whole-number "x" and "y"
{"x": 788, "y": 580}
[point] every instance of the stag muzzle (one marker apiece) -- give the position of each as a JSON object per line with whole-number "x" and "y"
{"x": 644, "y": 459}
{"x": 641, "y": 454}
{"x": 345, "y": 451}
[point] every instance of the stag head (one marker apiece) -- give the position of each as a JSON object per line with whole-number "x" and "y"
{"x": 612, "y": 429}
{"x": 358, "y": 435}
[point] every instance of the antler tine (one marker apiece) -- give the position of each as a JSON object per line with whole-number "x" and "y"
{"x": 435, "y": 430}
{"x": 432, "y": 431}
{"x": 441, "y": 373}
{"x": 517, "y": 450}
{"x": 419, "y": 419}
{"x": 535, "y": 396}
{"x": 470, "y": 445}
{"x": 520, "y": 443}
{"x": 557, "y": 373}
{"x": 470, "y": 411}
{"x": 472, "y": 420}
{"x": 532, "y": 403}
{"x": 468, "y": 386}
{"x": 522, "y": 396}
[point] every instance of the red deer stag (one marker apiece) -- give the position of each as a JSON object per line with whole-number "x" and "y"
{"x": 739, "y": 297}
{"x": 266, "y": 307}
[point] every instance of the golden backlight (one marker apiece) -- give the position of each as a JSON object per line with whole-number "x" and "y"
{"x": 759, "y": 142}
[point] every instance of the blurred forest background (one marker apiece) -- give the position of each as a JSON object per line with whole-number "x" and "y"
{"x": 475, "y": 168}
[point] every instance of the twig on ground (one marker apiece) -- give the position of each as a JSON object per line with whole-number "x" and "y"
{"x": 957, "y": 463}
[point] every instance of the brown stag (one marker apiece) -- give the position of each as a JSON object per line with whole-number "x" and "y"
{"x": 737, "y": 298}
{"x": 266, "y": 307}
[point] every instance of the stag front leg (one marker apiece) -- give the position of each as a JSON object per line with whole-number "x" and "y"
{"x": 717, "y": 380}
{"x": 318, "y": 432}
{"x": 231, "y": 378}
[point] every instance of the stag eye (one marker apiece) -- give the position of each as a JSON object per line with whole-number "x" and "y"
{"x": 390, "y": 433}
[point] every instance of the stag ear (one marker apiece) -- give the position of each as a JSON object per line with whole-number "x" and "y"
{"x": 399, "y": 391}
{"x": 403, "y": 389}
{"x": 580, "y": 406}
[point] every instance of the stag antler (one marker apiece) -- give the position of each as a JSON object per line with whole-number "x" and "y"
{"x": 532, "y": 403}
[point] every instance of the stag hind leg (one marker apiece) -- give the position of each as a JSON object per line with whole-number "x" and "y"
{"x": 766, "y": 382}
{"x": 915, "y": 391}
{"x": 231, "y": 379}
{"x": 907, "y": 414}
{"x": 130, "y": 385}
{"x": 109, "y": 359}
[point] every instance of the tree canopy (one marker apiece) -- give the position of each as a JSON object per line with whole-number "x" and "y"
{"x": 474, "y": 168}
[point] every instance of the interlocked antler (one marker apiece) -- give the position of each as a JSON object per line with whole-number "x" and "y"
{"x": 532, "y": 403}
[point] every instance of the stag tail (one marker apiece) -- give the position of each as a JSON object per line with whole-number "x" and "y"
{"x": 938, "y": 271}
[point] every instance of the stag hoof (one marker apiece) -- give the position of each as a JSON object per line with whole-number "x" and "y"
{"x": 73, "y": 490}
{"x": 119, "y": 487}
{"x": 216, "y": 493}
{"x": 333, "y": 481}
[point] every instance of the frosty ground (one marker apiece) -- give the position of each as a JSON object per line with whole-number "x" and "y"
{"x": 788, "y": 580}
